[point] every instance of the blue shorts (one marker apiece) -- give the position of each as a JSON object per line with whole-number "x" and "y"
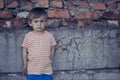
{"x": 39, "y": 77}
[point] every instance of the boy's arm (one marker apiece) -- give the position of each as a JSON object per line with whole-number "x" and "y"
{"x": 25, "y": 56}
{"x": 52, "y": 52}
{"x": 24, "y": 60}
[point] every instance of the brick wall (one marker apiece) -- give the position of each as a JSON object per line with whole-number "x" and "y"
{"x": 61, "y": 13}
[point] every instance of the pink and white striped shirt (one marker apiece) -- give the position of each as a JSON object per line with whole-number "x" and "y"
{"x": 39, "y": 46}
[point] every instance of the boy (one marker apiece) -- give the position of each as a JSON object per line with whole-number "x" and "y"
{"x": 38, "y": 47}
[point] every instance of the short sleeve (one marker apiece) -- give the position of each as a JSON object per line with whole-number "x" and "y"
{"x": 26, "y": 41}
{"x": 52, "y": 41}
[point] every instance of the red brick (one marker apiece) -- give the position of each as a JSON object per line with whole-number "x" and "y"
{"x": 5, "y": 24}
{"x": 14, "y": 4}
{"x": 29, "y": 3}
{"x": 58, "y": 14}
{"x": 94, "y": 15}
{"x": 84, "y": 5}
{"x": 17, "y": 23}
{"x": 2, "y": 23}
{"x": 88, "y": 15}
{"x": 43, "y": 3}
{"x": 112, "y": 6}
{"x": 111, "y": 15}
{"x": 67, "y": 22}
{"x": 118, "y": 1}
{"x": 100, "y": 6}
{"x": 54, "y": 23}
{"x": 80, "y": 16}
{"x": 6, "y": 14}
{"x": 50, "y": 22}
{"x": 72, "y": 6}
{"x": 82, "y": 23}
{"x": 57, "y": 4}
{"x": 1, "y": 3}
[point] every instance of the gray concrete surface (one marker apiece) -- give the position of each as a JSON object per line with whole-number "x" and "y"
{"x": 79, "y": 53}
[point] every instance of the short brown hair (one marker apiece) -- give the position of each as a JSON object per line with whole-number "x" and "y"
{"x": 36, "y": 13}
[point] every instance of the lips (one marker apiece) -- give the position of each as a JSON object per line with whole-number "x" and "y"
{"x": 39, "y": 28}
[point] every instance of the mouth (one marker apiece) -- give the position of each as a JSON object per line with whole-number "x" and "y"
{"x": 39, "y": 28}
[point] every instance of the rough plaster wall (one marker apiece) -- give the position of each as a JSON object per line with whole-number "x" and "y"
{"x": 85, "y": 53}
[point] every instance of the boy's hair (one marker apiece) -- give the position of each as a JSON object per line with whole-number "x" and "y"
{"x": 36, "y": 13}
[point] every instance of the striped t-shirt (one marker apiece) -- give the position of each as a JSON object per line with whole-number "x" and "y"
{"x": 39, "y": 46}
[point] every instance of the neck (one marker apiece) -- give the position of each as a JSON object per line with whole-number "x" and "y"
{"x": 39, "y": 32}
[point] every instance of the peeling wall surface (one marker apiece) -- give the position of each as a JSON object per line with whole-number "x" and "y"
{"x": 88, "y": 53}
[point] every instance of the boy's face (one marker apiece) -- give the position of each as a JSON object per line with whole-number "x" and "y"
{"x": 38, "y": 24}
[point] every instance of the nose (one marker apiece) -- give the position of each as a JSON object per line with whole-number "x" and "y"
{"x": 39, "y": 23}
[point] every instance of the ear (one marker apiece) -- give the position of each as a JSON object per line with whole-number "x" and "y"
{"x": 29, "y": 23}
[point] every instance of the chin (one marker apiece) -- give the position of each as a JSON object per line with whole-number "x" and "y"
{"x": 40, "y": 30}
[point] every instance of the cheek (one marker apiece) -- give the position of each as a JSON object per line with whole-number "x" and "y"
{"x": 44, "y": 24}
{"x": 34, "y": 25}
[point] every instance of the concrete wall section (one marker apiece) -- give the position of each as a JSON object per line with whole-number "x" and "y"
{"x": 87, "y": 49}
{"x": 11, "y": 51}
{"x": 84, "y": 53}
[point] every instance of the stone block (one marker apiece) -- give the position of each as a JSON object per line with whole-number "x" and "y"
{"x": 14, "y": 4}
{"x": 1, "y": 3}
{"x": 57, "y": 4}
{"x": 43, "y": 3}
{"x": 6, "y": 14}
{"x": 58, "y": 14}
{"x": 100, "y": 6}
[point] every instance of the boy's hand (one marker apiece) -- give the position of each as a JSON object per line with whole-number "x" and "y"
{"x": 24, "y": 70}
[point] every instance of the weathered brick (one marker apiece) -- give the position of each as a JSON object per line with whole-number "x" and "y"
{"x": 2, "y": 23}
{"x": 5, "y": 24}
{"x": 57, "y": 4}
{"x": 14, "y": 4}
{"x": 6, "y": 14}
{"x": 50, "y": 21}
{"x": 72, "y": 24}
{"x": 17, "y": 23}
{"x": 118, "y": 1}
{"x": 58, "y": 14}
{"x": 94, "y": 15}
{"x": 84, "y": 5}
{"x": 88, "y": 15}
{"x": 72, "y": 6}
{"x": 54, "y": 23}
{"x": 82, "y": 23}
{"x": 80, "y": 16}
{"x": 29, "y": 3}
{"x": 112, "y": 6}
{"x": 68, "y": 22}
{"x": 1, "y": 3}
{"x": 43, "y": 3}
{"x": 100, "y": 6}
{"x": 111, "y": 15}
{"x": 65, "y": 23}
